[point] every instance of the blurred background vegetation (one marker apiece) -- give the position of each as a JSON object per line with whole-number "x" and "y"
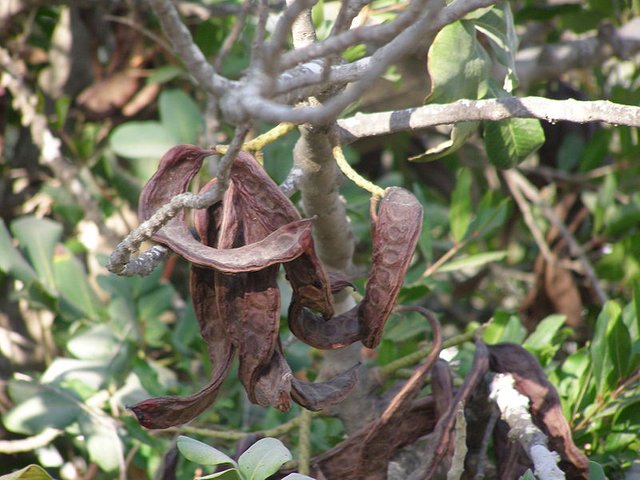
{"x": 78, "y": 344}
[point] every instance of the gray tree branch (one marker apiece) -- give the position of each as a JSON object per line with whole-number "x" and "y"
{"x": 383, "y": 123}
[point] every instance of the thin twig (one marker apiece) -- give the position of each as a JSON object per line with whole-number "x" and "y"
{"x": 353, "y": 175}
{"x": 574, "y": 247}
{"x": 527, "y": 214}
{"x": 34, "y": 442}
{"x": 188, "y": 51}
{"x": 484, "y": 445}
{"x": 233, "y": 36}
{"x": 304, "y": 442}
{"x": 121, "y": 257}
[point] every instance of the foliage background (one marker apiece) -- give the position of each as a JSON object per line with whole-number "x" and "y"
{"x": 78, "y": 344}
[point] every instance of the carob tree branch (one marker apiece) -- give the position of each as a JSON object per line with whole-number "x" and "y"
{"x": 383, "y": 123}
{"x": 514, "y": 410}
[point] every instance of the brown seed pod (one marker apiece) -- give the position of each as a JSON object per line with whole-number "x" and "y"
{"x": 250, "y": 302}
{"x": 320, "y": 395}
{"x": 337, "y": 332}
{"x": 165, "y": 412}
{"x": 273, "y": 383}
{"x": 176, "y": 169}
{"x": 395, "y": 232}
{"x": 264, "y": 204}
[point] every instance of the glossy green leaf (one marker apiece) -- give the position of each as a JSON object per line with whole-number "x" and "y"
{"x": 102, "y": 441}
{"x": 230, "y": 474}
{"x": 508, "y": 142}
{"x": 600, "y": 355}
{"x": 263, "y": 459}
{"x": 458, "y": 136}
{"x": 504, "y": 327}
{"x": 596, "y": 472}
{"x": 460, "y": 209}
{"x": 528, "y": 475}
{"x": 31, "y": 472}
{"x": 619, "y": 345}
{"x": 180, "y": 116}
{"x": 201, "y": 453}
{"x": 498, "y": 26}
{"x": 147, "y": 140}
{"x": 473, "y": 261}
{"x": 96, "y": 343}
{"x": 73, "y": 284}
{"x": 91, "y": 373}
{"x": 39, "y": 406}
{"x": 11, "y": 260}
{"x": 458, "y": 65}
{"x": 39, "y": 237}
{"x": 544, "y": 332}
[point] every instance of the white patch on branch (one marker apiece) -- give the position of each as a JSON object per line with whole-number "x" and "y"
{"x": 514, "y": 409}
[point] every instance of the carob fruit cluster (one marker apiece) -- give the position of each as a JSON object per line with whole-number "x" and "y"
{"x": 242, "y": 241}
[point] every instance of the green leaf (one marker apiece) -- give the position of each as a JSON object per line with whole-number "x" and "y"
{"x": 230, "y": 474}
{"x": 38, "y": 407}
{"x": 528, "y": 475}
{"x": 458, "y": 65}
{"x": 504, "y": 327}
{"x": 498, "y": 25}
{"x": 39, "y": 237}
{"x": 72, "y": 282}
{"x": 297, "y": 476}
{"x": 102, "y": 441}
{"x": 460, "y": 210}
{"x": 93, "y": 374}
{"x": 460, "y": 133}
{"x": 544, "y": 332}
{"x": 96, "y": 343}
{"x": 11, "y": 260}
{"x": 600, "y": 355}
{"x": 508, "y": 142}
{"x": 473, "y": 261}
{"x": 202, "y": 453}
{"x": 596, "y": 472}
{"x": 263, "y": 459}
{"x": 619, "y": 345}
{"x": 32, "y": 472}
{"x": 142, "y": 140}
{"x": 180, "y": 116}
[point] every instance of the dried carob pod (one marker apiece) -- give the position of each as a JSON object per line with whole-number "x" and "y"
{"x": 167, "y": 411}
{"x": 395, "y": 231}
{"x": 545, "y": 407}
{"x": 176, "y": 169}
{"x": 376, "y": 452}
{"x": 249, "y": 301}
{"x": 266, "y": 206}
{"x": 337, "y": 332}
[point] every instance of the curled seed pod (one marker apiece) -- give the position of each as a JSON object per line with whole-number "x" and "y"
{"x": 250, "y": 302}
{"x": 177, "y": 168}
{"x": 165, "y": 412}
{"x": 337, "y": 332}
{"x": 273, "y": 384}
{"x": 320, "y": 395}
{"x": 264, "y": 204}
{"x": 395, "y": 232}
